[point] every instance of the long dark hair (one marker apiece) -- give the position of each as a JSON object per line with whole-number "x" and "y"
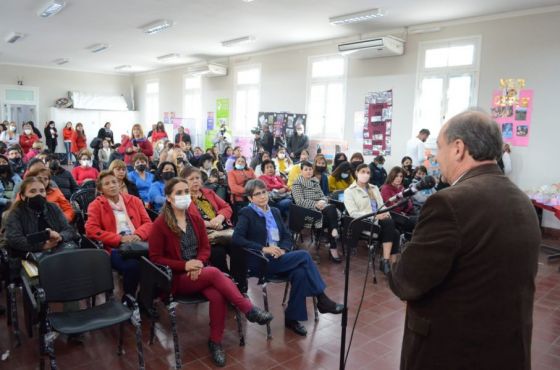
{"x": 82, "y": 132}
{"x": 167, "y": 209}
{"x": 10, "y": 172}
{"x": 162, "y": 166}
{"x": 393, "y": 173}
{"x": 338, "y": 160}
{"x": 340, "y": 169}
{"x": 23, "y": 187}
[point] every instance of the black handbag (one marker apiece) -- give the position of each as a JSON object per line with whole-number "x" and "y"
{"x": 134, "y": 249}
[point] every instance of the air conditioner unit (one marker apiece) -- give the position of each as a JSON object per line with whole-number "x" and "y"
{"x": 13, "y": 37}
{"x": 208, "y": 70}
{"x": 373, "y": 48}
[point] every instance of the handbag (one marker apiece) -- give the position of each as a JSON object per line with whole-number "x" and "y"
{"x": 134, "y": 249}
{"x": 220, "y": 237}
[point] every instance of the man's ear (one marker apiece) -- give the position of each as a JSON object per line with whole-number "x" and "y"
{"x": 459, "y": 150}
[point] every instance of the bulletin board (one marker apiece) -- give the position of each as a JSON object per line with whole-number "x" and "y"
{"x": 378, "y": 122}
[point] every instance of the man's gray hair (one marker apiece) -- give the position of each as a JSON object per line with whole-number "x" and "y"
{"x": 481, "y": 135}
{"x": 253, "y": 185}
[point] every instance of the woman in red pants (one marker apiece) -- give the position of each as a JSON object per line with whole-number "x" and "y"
{"x": 179, "y": 240}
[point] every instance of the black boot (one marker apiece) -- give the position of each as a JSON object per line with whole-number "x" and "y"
{"x": 218, "y": 353}
{"x": 296, "y": 327}
{"x": 326, "y": 305}
{"x": 259, "y": 316}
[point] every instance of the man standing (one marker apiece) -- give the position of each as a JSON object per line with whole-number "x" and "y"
{"x": 297, "y": 142}
{"x": 267, "y": 140}
{"x": 415, "y": 147}
{"x": 468, "y": 272}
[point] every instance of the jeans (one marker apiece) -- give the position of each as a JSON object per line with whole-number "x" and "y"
{"x": 68, "y": 147}
{"x": 130, "y": 270}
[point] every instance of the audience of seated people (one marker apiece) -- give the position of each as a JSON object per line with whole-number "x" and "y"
{"x": 237, "y": 178}
{"x": 283, "y": 162}
{"x": 62, "y": 177}
{"x": 296, "y": 170}
{"x": 377, "y": 171}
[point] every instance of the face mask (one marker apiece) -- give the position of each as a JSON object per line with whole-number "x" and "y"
{"x": 167, "y": 175}
{"x": 380, "y": 166}
{"x": 344, "y": 175}
{"x": 281, "y": 155}
{"x": 320, "y": 169}
{"x": 85, "y": 163}
{"x": 36, "y": 203}
{"x": 4, "y": 168}
{"x": 239, "y": 167}
{"x": 363, "y": 177}
{"x": 407, "y": 166}
{"x": 299, "y": 132}
{"x": 182, "y": 201}
{"x": 141, "y": 167}
{"x": 27, "y": 131}
{"x": 356, "y": 163}
{"x": 13, "y": 128}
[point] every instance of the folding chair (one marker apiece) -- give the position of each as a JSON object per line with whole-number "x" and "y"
{"x": 301, "y": 218}
{"x": 73, "y": 276}
{"x": 80, "y": 200}
{"x": 155, "y": 282}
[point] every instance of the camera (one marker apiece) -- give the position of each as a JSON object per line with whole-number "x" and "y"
{"x": 256, "y": 131}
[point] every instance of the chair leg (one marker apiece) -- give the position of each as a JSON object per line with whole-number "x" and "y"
{"x": 240, "y": 328}
{"x": 171, "y": 308}
{"x": 265, "y": 298}
{"x": 315, "y": 309}
{"x": 285, "y": 294}
{"x": 120, "y": 350}
{"x": 137, "y": 323}
{"x": 49, "y": 338}
{"x": 372, "y": 250}
{"x": 13, "y": 314}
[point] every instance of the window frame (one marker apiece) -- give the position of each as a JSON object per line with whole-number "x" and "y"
{"x": 245, "y": 130}
{"x": 198, "y": 121}
{"x": 147, "y": 97}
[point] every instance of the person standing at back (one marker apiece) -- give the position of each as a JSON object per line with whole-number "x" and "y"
{"x": 415, "y": 147}
{"x": 468, "y": 274}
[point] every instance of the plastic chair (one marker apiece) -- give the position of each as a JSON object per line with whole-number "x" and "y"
{"x": 264, "y": 280}
{"x": 10, "y": 268}
{"x": 73, "y": 276}
{"x": 155, "y": 282}
{"x": 80, "y": 200}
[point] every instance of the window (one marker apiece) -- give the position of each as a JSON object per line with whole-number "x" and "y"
{"x": 192, "y": 108}
{"x": 247, "y": 98}
{"x": 447, "y": 82}
{"x": 152, "y": 103}
{"x": 326, "y": 97}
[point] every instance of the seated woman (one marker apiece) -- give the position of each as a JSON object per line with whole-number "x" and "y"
{"x": 179, "y": 241}
{"x": 362, "y": 198}
{"x": 33, "y": 213}
{"x": 321, "y": 172}
{"x": 261, "y": 229}
{"x": 118, "y": 168}
{"x": 256, "y": 162}
{"x": 237, "y": 178}
{"x": 296, "y": 170}
{"x": 8, "y": 182}
{"x": 283, "y": 162}
{"x": 406, "y": 163}
{"x": 115, "y": 218}
{"x": 307, "y": 193}
{"x": 355, "y": 160}
{"x": 85, "y": 172}
{"x": 280, "y": 196}
{"x": 165, "y": 172}
{"x": 341, "y": 178}
{"x": 338, "y": 159}
{"x": 421, "y": 196}
{"x": 141, "y": 176}
{"x": 62, "y": 177}
{"x": 393, "y": 186}
{"x": 54, "y": 195}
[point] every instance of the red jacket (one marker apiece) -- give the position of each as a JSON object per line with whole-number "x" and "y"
{"x": 158, "y": 135}
{"x": 388, "y": 190}
{"x": 236, "y": 181}
{"x": 82, "y": 174}
{"x": 165, "y": 246}
{"x": 145, "y": 147}
{"x": 101, "y": 224}
{"x": 67, "y": 133}
{"x": 273, "y": 182}
{"x": 78, "y": 142}
{"x": 221, "y": 207}
{"x": 26, "y": 141}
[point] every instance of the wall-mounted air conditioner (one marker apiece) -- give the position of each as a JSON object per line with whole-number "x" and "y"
{"x": 387, "y": 46}
{"x": 208, "y": 70}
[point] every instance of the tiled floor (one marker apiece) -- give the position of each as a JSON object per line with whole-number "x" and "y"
{"x": 376, "y": 343}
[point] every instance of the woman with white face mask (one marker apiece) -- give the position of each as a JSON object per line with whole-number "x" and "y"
{"x": 27, "y": 139}
{"x": 283, "y": 162}
{"x": 85, "y": 172}
{"x": 179, "y": 240}
{"x": 10, "y": 136}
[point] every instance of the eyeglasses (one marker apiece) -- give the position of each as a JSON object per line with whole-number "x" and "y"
{"x": 259, "y": 193}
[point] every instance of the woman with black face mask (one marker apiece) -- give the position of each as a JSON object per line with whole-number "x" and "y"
{"x": 141, "y": 176}
{"x": 406, "y": 163}
{"x": 8, "y": 181}
{"x": 355, "y": 160}
{"x": 32, "y": 214}
{"x": 165, "y": 172}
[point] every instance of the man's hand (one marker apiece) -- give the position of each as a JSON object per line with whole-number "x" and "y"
{"x": 275, "y": 252}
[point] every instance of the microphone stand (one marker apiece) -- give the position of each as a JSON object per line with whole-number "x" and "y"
{"x": 344, "y": 321}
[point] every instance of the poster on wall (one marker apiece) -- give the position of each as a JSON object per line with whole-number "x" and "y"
{"x": 168, "y": 117}
{"x": 377, "y": 123}
{"x": 512, "y": 108}
{"x": 281, "y": 124}
{"x": 218, "y": 130}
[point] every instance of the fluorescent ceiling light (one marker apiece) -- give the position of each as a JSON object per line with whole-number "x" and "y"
{"x": 51, "y": 8}
{"x": 248, "y": 1}
{"x": 123, "y": 67}
{"x": 168, "y": 57}
{"x": 416, "y": 31}
{"x": 13, "y": 37}
{"x": 357, "y": 17}
{"x": 96, "y": 48}
{"x": 238, "y": 41}
{"x": 61, "y": 61}
{"x": 157, "y": 26}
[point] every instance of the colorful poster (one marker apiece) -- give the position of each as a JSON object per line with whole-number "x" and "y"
{"x": 378, "y": 122}
{"x": 281, "y": 124}
{"x": 512, "y": 107}
{"x": 168, "y": 117}
{"x": 221, "y": 130}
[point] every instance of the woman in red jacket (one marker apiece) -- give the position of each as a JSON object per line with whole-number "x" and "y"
{"x": 67, "y": 134}
{"x": 179, "y": 241}
{"x": 159, "y": 133}
{"x": 280, "y": 196}
{"x": 27, "y": 138}
{"x": 237, "y": 178}
{"x": 84, "y": 172}
{"x": 79, "y": 140}
{"x": 137, "y": 144}
{"x": 115, "y": 218}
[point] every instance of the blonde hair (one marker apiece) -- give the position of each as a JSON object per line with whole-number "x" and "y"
{"x": 117, "y": 163}
{"x": 138, "y": 127}
{"x": 84, "y": 152}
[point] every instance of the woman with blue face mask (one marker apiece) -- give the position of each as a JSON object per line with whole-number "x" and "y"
{"x": 341, "y": 178}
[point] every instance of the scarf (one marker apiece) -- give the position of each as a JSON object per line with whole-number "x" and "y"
{"x": 120, "y": 208}
{"x": 205, "y": 208}
{"x": 272, "y": 232}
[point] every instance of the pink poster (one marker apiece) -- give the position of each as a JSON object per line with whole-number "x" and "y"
{"x": 512, "y": 109}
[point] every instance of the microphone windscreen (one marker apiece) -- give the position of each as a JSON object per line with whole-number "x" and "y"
{"x": 427, "y": 182}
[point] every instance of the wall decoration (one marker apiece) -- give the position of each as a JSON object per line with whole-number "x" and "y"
{"x": 218, "y": 127}
{"x": 377, "y": 123}
{"x": 281, "y": 124}
{"x": 512, "y": 107}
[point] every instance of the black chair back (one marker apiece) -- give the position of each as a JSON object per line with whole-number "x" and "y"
{"x": 154, "y": 281}
{"x": 89, "y": 185}
{"x": 75, "y": 274}
{"x": 83, "y": 197}
{"x": 152, "y": 214}
{"x": 300, "y": 217}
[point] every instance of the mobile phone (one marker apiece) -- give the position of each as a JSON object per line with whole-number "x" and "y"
{"x": 38, "y": 237}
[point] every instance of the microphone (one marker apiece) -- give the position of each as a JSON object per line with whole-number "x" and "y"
{"x": 427, "y": 182}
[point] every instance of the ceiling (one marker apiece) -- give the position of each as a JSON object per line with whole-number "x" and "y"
{"x": 201, "y": 26}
